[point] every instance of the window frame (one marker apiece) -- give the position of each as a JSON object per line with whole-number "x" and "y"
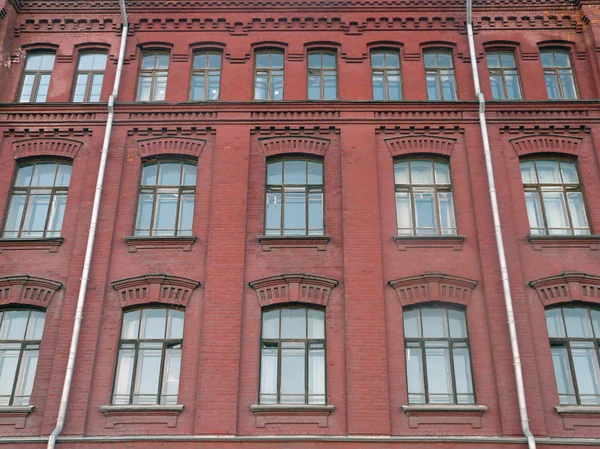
{"x": 384, "y": 73}
{"x": 501, "y": 71}
{"x": 322, "y": 72}
{"x": 37, "y": 76}
{"x": 204, "y": 72}
{"x": 268, "y": 72}
{"x": 555, "y": 70}
{"x": 90, "y": 76}
{"x": 153, "y": 74}
{"x": 436, "y": 71}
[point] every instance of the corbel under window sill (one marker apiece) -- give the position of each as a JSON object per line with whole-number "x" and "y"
{"x": 50, "y": 244}
{"x": 268, "y": 242}
{"x": 404, "y": 242}
{"x": 579, "y": 415}
{"x": 15, "y": 415}
{"x": 291, "y": 414}
{"x": 183, "y": 242}
{"x": 540, "y": 242}
{"x": 140, "y": 414}
{"x": 435, "y": 414}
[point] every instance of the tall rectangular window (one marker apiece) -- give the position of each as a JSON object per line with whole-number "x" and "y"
{"x": 560, "y": 82}
{"x": 268, "y": 76}
{"x": 385, "y": 74}
{"x": 89, "y": 77}
{"x": 152, "y": 84}
{"x": 292, "y": 357}
{"x": 38, "y": 200}
{"x": 504, "y": 78}
{"x": 554, "y": 197}
{"x": 439, "y": 75}
{"x": 294, "y": 197}
{"x": 149, "y": 359}
{"x": 206, "y": 76}
{"x": 322, "y": 75}
{"x": 424, "y": 202}
{"x": 36, "y": 77}
{"x": 20, "y": 338}
{"x": 166, "y": 199}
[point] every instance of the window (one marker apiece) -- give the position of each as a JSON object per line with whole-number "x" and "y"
{"x": 149, "y": 357}
{"x": 554, "y": 198}
{"x": 36, "y": 78}
{"x": 503, "y": 75}
{"x": 322, "y": 76}
{"x": 294, "y": 202}
{"x": 292, "y": 359}
{"x": 575, "y": 344}
{"x": 206, "y": 76}
{"x": 38, "y": 200}
{"x": 559, "y": 75}
{"x": 439, "y": 75}
{"x": 438, "y": 359}
{"x": 152, "y": 84}
{"x": 268, "y": 76}
{"x": 385, "y": 72}
{"x": 166, "y": 199}
{"x": 89, "y": 77}
{"x": 424, "y": 203}
{"x": 20, "y": 338}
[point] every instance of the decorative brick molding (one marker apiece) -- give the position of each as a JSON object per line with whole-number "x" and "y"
{"x": 269, "y": 242}
{"x": 15, "y": 416}
{"x": 420, "y": 144}
{"x": 171, "y": 145}
{"x": 540, "y": 242}
{"x": 266, "y": 415}
{"x": 155, "y": 288}
{"x": 579, "y": 416}
{"x": 27, "y": 290}
{"x": 566, "y": 287}
{"x": 434, "y": 414}
{"x": 135, "y": 243}
{"x": 454, "y": 242}
{"x": 293, "y": 287}
{"x": 294, "y": 144}
{"x": 134, "y": 415}
{"x": 45, "y": 133}
{"x": 546, "y": 144}
{"x": 50, "y": 244}
{"x": 46, "y": 147}
{"x": 433, "y": 287}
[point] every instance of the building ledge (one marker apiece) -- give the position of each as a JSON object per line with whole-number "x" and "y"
{"x": 268, "y": 242}
{"x": 49, "y": 244}
{"x": 135, "y": 243}
{"x": 15, "y": 415}
{"x": 124, "y": 415}
{"x": 404, "y": 242}
{"x": 579, "y": 415}
{"x": 436, "y": 414}
{"x": 291, "y": 414}
{"x": 540, "y": 242}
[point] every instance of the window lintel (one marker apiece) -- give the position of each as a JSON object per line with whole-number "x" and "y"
{"x": 40, "y": 47}
{"x": 567, "y": 287}
{"x": 385, "y": 45}
{"x": 437, "y": 45}
{"x": 431, "y": 287}
{"x": 546, "y": 143}
{"x": 322, "y": 46}
{"x": 46, "y": 147}
{"x": 432, "y": 145}
{"x": 155, "y": 46}
{"x": 293, "y": 288}
{"x": 269, "y": 45}
{"x": 92, "y": 46}
{"x": 28, "y": 290}
{"x": 183, "y": 146}
{"x": 556, "y": 44}
{"x": 278, "y": 146}
{"x": 499, "y": 45}
{"x": 198, "y": 47}
{"x": 154, "y": 289}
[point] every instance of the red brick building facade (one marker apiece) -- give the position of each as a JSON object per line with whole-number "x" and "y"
{"x": 235, "y": 255}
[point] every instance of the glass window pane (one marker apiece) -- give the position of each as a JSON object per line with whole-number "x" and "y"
{"x": 274, "y": 172}
{"x": 314, "y": 60}
{"x": 578, "y": 323}
{"x": 315, "y": 213}
{"x": 587, "y": 372}
{"x": 295, "y": 172}
{"x": 260, "y": 87}
{"x": 149, "y": 174}
{"x": 36, "y": 214}
{"x": 276, "y": 88}
{"x": 316, "y": 376}
{"x": 100, "y": 61}
{"x": 63, "y": 177}
{"x": 330, "y": 87}
{"x": 43, "y": 88}
{"x": 147, "y": 375}
{"x": 44, "y": 174}
{"x": 315, "y": 173}
{"x": 80, "y": 85}
{"x": 295, "y": 212}
{"x": 430, "y": 59}
{"x": 568, "y": 86}
{"x": 434, "y": 323}
{"x": 462, "y": 374}
{"x": 447, "y": 223}
{"x": 145, "y": 86}
{"x": 512, "y": 87}
{"x": 448, "y": 89}
{"x": 412, "y": 325}
{"x": 35, "y": 328}
{"x": 497, "y": 87}
{"x": 270, "y": 324}
{"x": 556, "y": 212}
{"x": 562, "y": 59}
{"x": 577, "y": 209}
{"x": 262, "y": 60}
{"x": 34, "y": 61}
{"x": 166, "y": 212}
{"x": 277, "y": 60}
{"x": 197, "y": 87}
{"x": 175, "y": 324}
{"x": 394, "y": 88}
{"x": 96, "y": 88}
{"x": 162, "y": 61}
{"x": 25, "y": 378}
{"x": 15, "y": 214}
{"x": 189, "y": 174}
{"x": 316, "y": 324}
{"x": 170, "y": 380}
{"x": 547, "y": 59}
{"x": 9, "y": 359}
{"x": 293, "y": 323}
{"x": 131, "y": 325}
{"x": 421, "y": 172}
{"x": 458, "y": 323}
{"x": 148, "y": 62}
{"x": 268, "y": 375}
{"x": 444, "y": 59}
{"x": 596, "y": 322}
{"x": 414, "y": 373}
{"x": 508, "y": 60}
{"x": 186, "y": 213}
{"x": 534, "y": 212}
{"x": 153, "y": 324}
{"x": 569, "y": 172}
{"x": 378, "y": 87}
{"x": 401, "y": 173}
{"x": 442, "y": 173}
{"x": 27, "y": 88}
{"x": 57, "y": 213}
{"x": 548, "y": 172}
{"x": 439, "y": 377}
{"x": 14, "y": 325}
{"x": 144, "y": 211}
{"x": 425, "y": 213}
{"x": 160, "y": 88}
{"x": 214, "y": 60}
{"x": 377, "y": 60}
{"x": 329, "y": 60}
{"x": 404, "y": 213}
{"x": 200, "y": 60}
{"x": 293, "y": 373}
{"x": 24, "y": 173}
{"x": 552, "y": 86}
{"x": 273, "y": 212}
{"x": 562, "y": 372}
{"x": 528, "y": 174}
{"x": 314, "y": 87}
{"x": 123, "y": 376}
{"x": 555, "y": 323}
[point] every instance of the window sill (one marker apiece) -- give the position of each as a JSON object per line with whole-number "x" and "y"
{"x": 15, "y": 416}
{"x": 134, "y": 243}
{"x": 454, "y": 242}
{"x": 266, "y": 415}
{"x": 579, "y": 415}
{"x": 123, "y": 415}
{"x": 268, "y": 242}
{"x": 435, "y": 414}
{"x": 49, "y": 244}
{"x": 540, "y": 242}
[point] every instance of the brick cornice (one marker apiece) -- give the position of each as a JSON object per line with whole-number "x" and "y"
{"x": 293, "y": 287}
{"x": 27, "y": 290}
{"x": 546, "y": 144}
{"x": 272, "y": 146}
{"x": 433, "y": 287}
{"x": 567, "y": 287}
{"x": 399, "y": 146}
{"x": 171, "y": 145}
{"x": 46, "y": 147}
{"x": 154, "y": 289}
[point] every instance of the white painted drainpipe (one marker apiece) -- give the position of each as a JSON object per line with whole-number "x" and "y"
{"x": 514, "y": 343}
{"x": 60, "y": 421}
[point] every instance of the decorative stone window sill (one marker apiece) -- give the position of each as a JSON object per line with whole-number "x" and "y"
{"x": 15, "y": 416}
{"x": 540, "y": 242}
{"x": 454, "y": 414}
{"x": 404, "y": 242}
{"x": 265, "y": 415}
{"x": 50, "y": 244}
{"x": 140, "y": 414}
{"x": 134, "y": 243}
{"x": 268, "y": 242}
{"x": 579, "y": 415}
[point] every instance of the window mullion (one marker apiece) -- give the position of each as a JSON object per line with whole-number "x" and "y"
{"x": 162, "y": 370}
{"x": 425, "y": 377}
{"x": 573, "y": 372}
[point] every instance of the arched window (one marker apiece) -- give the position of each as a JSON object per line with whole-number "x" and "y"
{"x": 385, "y": 73}
{"x": 268, "y": 75}
{"x": 292, "y": 369}
{"x": 558, "y": 73}
{"x": 149, "y": 359}
{"x": 152, "y": 84}
{"x": 206, "y": 76}
{"x": 439, "y": 75}
{"x": 166, "y": 198}
{"x": 89, "y": 77}
{"x": 575, "y": 343}
{"x": 322, "y": 75}
{"x": 38, "y": 200}
{"x": 554, "y": 197}
{"x": 20, "y": 338}
{"x": 36, "y": 77}
{"x": 438, "y": 358}
{"x": 504, "y": 77}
